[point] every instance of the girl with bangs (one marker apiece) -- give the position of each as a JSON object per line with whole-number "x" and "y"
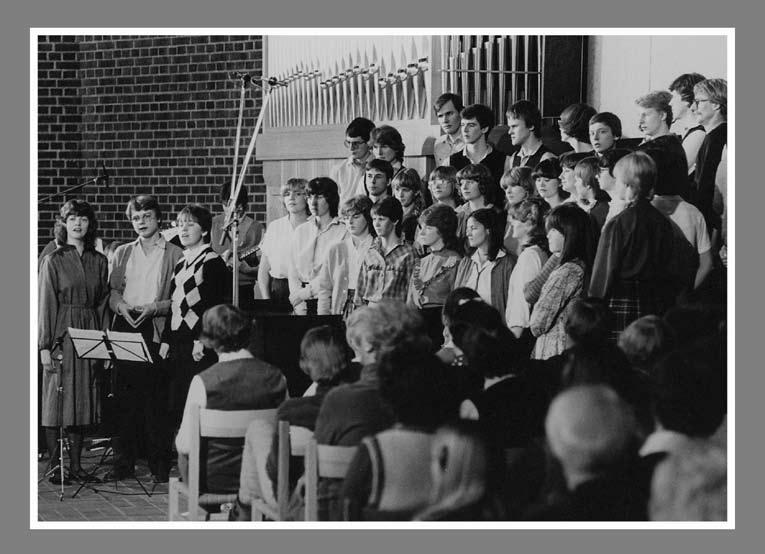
{"x": 570, "y": 234}
{"x": 73, "y": 292}
{"x": 546, "y": 177}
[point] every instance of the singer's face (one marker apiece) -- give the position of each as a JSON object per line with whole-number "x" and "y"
{"x": 77, "y": 226}
{"x": 190, "y": 232}
{"x": 318, "y": 205}
{"x": 294, "y": 199}
{"x": 377, "y": 182}
{"x": 145, "y": 223}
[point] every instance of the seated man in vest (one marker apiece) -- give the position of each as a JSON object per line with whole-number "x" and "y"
{"x": 238, "y": 381}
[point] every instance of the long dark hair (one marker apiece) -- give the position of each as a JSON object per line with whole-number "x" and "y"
{"x": 579, "y": 236}
{"x": 489, "y": 219}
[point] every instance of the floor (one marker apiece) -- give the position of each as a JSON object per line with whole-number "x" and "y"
{"x": 121, "y": 501}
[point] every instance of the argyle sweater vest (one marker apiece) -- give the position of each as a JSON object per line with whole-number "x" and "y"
{"x": 187, "y": 304}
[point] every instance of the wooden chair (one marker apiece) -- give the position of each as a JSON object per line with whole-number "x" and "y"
{"x": 209, "y": 424}
{"x": 293, "y": 441}
{"x": 322, "y": 460}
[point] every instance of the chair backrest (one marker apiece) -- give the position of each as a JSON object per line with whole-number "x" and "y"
{"x": 292, "y": 442}
{"x": 323, "y": 460}
{"x": 299, "y": 437}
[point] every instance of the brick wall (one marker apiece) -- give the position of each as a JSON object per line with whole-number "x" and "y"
{"x": 160, "y": 112}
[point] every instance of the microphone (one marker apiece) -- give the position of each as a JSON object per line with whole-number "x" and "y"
{"x": 104, "y": 176}
{"x": 272, "y": 81}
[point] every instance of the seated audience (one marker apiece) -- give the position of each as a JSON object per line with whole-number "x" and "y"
{"x": 339, "y": 274}
{"x": 691, "y": 485}
{"x": 238, "y": 381}
{"x": 574, "y": 125}
{"x": 590, "y": 431}
{"x": 570, "y": 234}
{"x": 487, "y": 268}
{"x": 389, "y": 478}
{"x": 463, "y": 481}
{"x": 353, "y": 411}
{"x": 645, "y": 341}
{"x": 449, "y": 352}
{"x": 635, "y": 250}
{"x": 433, "y": 276}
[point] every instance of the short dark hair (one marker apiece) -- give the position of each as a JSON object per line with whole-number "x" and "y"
{"x": 481, "y": 174}
{"x": 577, "y": 229}
{"x": 381, "y": 165}
{"x": 690, "y": 389}
{"x": 491, "y": 221}
{"x": 141, "y": 203}
{"x": 610, "y": 120}
{"x": 575, "y": 121}
{"x": 201, "y": 215}
{"x": 484, "y": 115}
{"x": 447, "y": 97}
{"x": 409, "y": 179}
{"x": 683, "y": 85}
{"x": 589, "y": 321}
{"x": 328, "y": 188}
{"x": 570, "y": 159}
{"x": 455, "y": 299}
{"x": 391, "y": 208}
{"x": 360, "y": 127}
{"x": 529, "y": 113}
{"x": 443, "y": 218}
{"x": 547, "y": 169}
{"x": 489, "y": 346}
{"x": 385, "y": 135}
{"x": 242, "y": 199}
{"x": 226, "y": 328}
{"x": 609, "y": 158}
{"x": 78, "y": 208}
{"x": 362, "y": 205}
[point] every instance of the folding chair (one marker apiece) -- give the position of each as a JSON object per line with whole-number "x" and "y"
{"x": 209, "y": 424}
{"x": 322, "y": 460}
{"x": 292, "y": 442}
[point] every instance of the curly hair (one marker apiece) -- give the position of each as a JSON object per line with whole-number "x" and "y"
{"x": 77, "y": 208}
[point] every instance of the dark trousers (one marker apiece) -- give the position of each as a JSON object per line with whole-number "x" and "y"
{"x": 141, "y": 408}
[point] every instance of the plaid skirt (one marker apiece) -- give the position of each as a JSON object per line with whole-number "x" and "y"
{"x": 634, "y": 299}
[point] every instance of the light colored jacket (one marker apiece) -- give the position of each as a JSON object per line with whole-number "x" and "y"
{"x": 161, "y": 303}
{"x": 334, "y": 276}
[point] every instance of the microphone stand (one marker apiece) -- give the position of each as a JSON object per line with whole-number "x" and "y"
{"x": 231, "y": 221}
{"x": 95, "y": 180}
{"x": 58, "y": 347}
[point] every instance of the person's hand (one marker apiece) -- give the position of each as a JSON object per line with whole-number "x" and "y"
{"x": 143, "y": 313}
{"x": 419, "y": 248}
{"x": 297, "y": 298}
{"x": 164, "y": 348}
{"x": 724, "y": 255}
{"x": 198, "y": 352}
{"x": 46, "y": 361}
{"x": 125, "y": 309}
{"x": 226, "y": 255}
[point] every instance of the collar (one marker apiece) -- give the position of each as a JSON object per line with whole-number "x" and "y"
{"x": 378, "y": 245}
{"x": 474, "y": 257}
{"x": 523, "y": 153}
{"x": 489, "y": 150}
{"x": 663, "y": 440}
{"x": 158, "y": 242}
{"x": 242, "y": 354}
{"x": 191, "y": 254}
{"x": 363, "y": 244}
{"x": 451, "y": 140}
{"x": 334, "y": 221}
{"x": 360, "y": 163}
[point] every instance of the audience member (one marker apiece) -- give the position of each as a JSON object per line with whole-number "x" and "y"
{"x": 449, "y": 352}
{"x": 645, "y": 341}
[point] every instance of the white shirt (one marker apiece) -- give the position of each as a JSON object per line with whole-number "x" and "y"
{"x": 275, "y": 246}
{"x": 687, "y": 217}
{"x": 197, "y": 396}
{"x": 479, "y": 278}
{"x": 142, "y": 273}
{"x": 615, "y": 207}
{"x": 309, "y": 250}
{"x": 349, "y": 176}
{"x": 528, "y": 266}
{"x": 445, "y": 146}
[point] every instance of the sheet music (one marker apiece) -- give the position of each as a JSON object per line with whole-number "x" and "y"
{"x": 89, "y": 343}
{"x": 129, "y": 347}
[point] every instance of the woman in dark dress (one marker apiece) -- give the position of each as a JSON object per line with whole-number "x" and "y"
{"x": 73, "y": 292}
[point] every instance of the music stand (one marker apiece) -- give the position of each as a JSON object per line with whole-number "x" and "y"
{"x": 113, "y": 346}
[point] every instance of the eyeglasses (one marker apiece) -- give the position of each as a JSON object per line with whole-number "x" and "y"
{"x": 353, "y": 143}
{"x": 698, "y": 101}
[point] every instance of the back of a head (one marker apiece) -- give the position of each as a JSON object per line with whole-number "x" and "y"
{"x": 691, "y": 485}
{"x": 324, "y": 354}
{"x": 590, "y": 430}
{"x": 645, "y": 341}
{"x": 454, "y": 300}
{"x": 417, "y": 385}
{"x": 589, "y": 322}
{"x": 383, "y": 324}
{"x": 690, "y": 392}
{"x": 226, "y": 328}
